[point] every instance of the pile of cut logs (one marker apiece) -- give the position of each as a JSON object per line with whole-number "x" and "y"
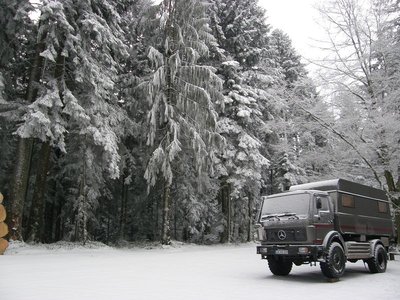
{"x": 3, "y": 227}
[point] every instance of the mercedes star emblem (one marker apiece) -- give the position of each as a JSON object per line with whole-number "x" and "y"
{"x": 281, "y": 235}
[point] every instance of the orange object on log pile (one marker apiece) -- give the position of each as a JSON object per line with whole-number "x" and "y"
{"x": 2, "y": 213}
{"x": 3, "y": 245}
{"x": 3, "y": 227}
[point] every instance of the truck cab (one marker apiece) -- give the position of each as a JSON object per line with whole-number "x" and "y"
{"x": 304, "y": 216}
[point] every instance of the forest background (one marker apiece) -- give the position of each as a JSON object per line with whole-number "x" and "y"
{"x": 126, "y": 121}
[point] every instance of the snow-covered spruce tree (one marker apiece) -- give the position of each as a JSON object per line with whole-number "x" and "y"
{"x": 241, "y": 30}
{"x": 286, "y": 57}
{"x": 130, "y": 190}
{"x": 44, "y": 119}
{"x": 83, "y": 49}
{"x": 242, "y": 35}
{"x": 194, "y": 211}
{"x": 15, "y": 34}
{"x": 243, "y": 162}
{"x": 99, "y": 57}
{"x": 181, "y": 94}
{"x": 298, "y": 142}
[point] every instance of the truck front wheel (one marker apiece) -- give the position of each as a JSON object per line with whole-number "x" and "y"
{"x": 377, "y": 264}
{"x": 279, "y": 266}
{"x": 335, "y": 261}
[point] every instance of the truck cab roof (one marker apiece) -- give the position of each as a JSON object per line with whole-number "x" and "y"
{"x": 300, "y": 191}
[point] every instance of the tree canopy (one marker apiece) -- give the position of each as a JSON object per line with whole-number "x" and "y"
{"x": 129, "y": 120}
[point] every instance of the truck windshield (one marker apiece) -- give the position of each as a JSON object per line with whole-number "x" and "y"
{"x": 286, "y": 205}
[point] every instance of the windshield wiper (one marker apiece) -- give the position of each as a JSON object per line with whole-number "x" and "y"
{"x": 288, "y": 214}
{"x": 270, "y": 216}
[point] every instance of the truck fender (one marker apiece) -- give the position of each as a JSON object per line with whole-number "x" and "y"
{"x": 373, "y": 244}
{"x": 333, "y": 236}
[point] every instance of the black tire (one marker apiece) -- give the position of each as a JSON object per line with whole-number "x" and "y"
{"x": 335, "y": 261}
{"x": 378, "y": 263}
{"x": 279, "y": 266}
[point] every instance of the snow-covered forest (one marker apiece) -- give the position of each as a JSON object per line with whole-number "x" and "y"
{"x": 129, "y": 120}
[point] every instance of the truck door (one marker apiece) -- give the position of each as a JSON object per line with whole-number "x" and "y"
{"x": 323, "y": 217}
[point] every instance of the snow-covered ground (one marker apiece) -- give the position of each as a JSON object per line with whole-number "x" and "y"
{"x": 177, "y": 272}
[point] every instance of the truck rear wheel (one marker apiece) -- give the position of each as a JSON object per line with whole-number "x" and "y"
{"x": 279, "y": 266}
{"x": 377, "y": 264}
{"x": 335, "y": 261}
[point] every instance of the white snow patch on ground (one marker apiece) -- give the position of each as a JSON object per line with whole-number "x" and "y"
{"x": 67, "y": 271}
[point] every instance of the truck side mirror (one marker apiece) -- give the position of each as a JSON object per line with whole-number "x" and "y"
{"x": 319, "y": 203}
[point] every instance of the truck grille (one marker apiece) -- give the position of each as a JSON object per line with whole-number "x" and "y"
{"x": 286, "y": 235}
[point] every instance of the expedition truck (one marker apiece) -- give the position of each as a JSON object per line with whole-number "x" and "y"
{"x": 329, "y": 222}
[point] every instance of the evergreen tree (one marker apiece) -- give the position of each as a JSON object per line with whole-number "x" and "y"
{"x": 15, "y": 36}
{"x": 299, "y": 139}
{"x": 82, "y": 50}
{"x": 180, "y": 92}
{"x": 286, "y": 57}
{"x": 16, "y": 30}
{"x": 242, "y": 60}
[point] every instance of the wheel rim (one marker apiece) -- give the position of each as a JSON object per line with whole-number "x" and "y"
{"x": 381, "y": 260}
{"x": 338, "y": 261}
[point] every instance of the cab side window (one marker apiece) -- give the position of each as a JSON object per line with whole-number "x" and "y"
{"x": 324, "y": 205}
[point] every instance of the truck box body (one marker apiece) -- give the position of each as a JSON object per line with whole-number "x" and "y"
{"x": 359, "y": 210}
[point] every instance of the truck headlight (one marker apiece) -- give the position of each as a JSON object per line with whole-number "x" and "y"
{"x": 303, "y": 250}
{"x": 263, "y": 250}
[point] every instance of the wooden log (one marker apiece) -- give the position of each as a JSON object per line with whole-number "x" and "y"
{"x": 2, "y": 213}
{"x": 3, "y": 245}
{"x": 3, "y": 229}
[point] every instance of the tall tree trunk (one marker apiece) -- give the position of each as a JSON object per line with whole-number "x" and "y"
{"x": 20, "y": 179}
{"x": 19, "y": 186}
{"x": 36, "y": 217}
{"x": 81, "y": 228}
{"x": 166, "y": 234}
{"x": 122, "y": 216}
{"x": 48, "y": 222}
{"x": 250, "y": 220}
{"x": 59, "y": 224}
{"x": 224, "y": 196}
{"x": 175, "y": 220}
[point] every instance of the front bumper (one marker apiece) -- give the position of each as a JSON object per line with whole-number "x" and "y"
{"x": 294, "y": 252}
